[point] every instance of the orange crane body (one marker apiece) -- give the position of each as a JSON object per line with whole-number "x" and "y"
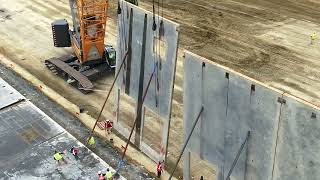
{"x": 92, "y": 15}
{"x": 91, "y": 56}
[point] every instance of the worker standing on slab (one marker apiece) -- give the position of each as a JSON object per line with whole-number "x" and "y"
{"x": 74, "y": 151}
{"x": 101, "y": 176}
{"x": 57, "y": 156}
{"x": 109, "y": 125}
{"x": 109, "y": 174}
{"x": 159, "y": 169}
{"x": 91, "y": 141}
{"x": 313, "y": 37}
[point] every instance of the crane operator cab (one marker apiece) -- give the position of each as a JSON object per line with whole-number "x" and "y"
{"x": 110, "y": 55}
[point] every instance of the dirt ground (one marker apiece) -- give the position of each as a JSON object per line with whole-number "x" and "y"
{"x": 268, "y": 40}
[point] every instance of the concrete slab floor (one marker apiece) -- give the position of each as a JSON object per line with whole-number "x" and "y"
{"x": 29, "y": 139}
{"x": 71, "y": 124}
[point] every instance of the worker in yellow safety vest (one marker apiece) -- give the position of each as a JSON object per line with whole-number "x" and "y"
{"x": 57, "y": 156}
{"x": 91, "y": 141}
{"x": 313, "y": 37}
{"x": 109, "y": 174}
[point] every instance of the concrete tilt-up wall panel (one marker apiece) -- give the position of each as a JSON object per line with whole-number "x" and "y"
{"x": 166, "y": 63}
{"x": 233, "y": 105}
{"x": 255, "y": 108}
{"x": 149, "y": 50}
{"x": 298, "y": 145}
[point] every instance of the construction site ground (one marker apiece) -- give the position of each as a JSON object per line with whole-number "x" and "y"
{"x": 266, "y": 40}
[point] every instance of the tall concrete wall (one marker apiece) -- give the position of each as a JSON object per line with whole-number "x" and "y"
{"x": 148, "y": 50}
{"x": 135, "y": 31}
{"x": 235, "y": 104}
{"x": 298, "y": 144}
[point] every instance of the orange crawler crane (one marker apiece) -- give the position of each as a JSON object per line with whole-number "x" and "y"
{"x": 91, "y": 57}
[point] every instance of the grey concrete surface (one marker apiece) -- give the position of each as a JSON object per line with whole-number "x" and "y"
{"x": 28, "y": 140}
{"x": 298, "y": 147}
{"x": 149, "y": 51}
{"x": 8, "y": 95}
{"x": 256, "y": 111}
{"x": 284, "y": 129}
{"x": 168, "y": 60}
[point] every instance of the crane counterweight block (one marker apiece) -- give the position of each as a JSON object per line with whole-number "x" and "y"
{"x": 60, "y": 33}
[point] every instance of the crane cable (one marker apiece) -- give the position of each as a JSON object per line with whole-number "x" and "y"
{"x": 154, "y": 25}
{"x": 156, "y": 60}
{"x": 159, "y": 82}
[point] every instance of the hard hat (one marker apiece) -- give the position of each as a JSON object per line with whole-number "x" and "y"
{"x": 99, "y": 172}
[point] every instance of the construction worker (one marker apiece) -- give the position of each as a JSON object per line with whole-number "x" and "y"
{"x": 74, "y": 151}
{"x": 101, "y": 176}
{"x": 57, "y": 156}
{"x": 109, "y": 174}
{"x": 159, "y": 169}
{"x": 109, "y": 125}
{"x": 91, "y": 141}
{"x": 313, "y": 37}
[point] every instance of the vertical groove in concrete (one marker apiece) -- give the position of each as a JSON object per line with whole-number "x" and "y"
{"x": 227, "y": 101}
{"x": 141, "y": 81}
{"x": 202, "y": 103}
{"x": 128, "y": 67}
{"x": 275, "y": 148}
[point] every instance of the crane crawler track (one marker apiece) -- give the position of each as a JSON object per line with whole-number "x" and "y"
{"x": 60, "y": 67}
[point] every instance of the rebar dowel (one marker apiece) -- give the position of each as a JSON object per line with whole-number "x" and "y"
{"x": 139, "y": 113}
{"x": 105, "y": 102}
{"x": 238, "y": 155}
{"x": 186, "y": 142}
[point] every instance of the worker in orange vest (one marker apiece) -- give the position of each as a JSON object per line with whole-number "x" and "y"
{"x": 159, "y": 169}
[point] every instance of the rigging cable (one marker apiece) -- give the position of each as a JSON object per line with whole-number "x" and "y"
{"x": 154, "y": 25}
